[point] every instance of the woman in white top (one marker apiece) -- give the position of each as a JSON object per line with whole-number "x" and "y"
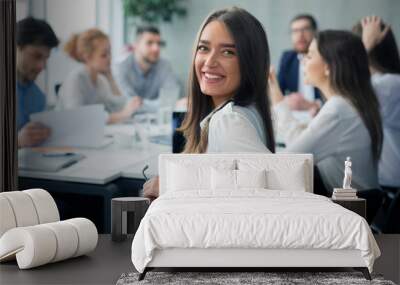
{"x": 348, "y": 124}
{"x": 93, "y": 83}
{"x": 228, "y": 104}
{"x": 384, "y": 59}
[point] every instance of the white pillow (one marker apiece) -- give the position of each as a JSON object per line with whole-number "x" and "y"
{"x": 183, "y": 177}
{"x": 251, "y": 178}
{"x": 227, "y": 179}
{"x": 292, "y": 179}
{"x": 223, "y": 179}
{"x": 281, "y": 174}
{"x": 189, "y": 175}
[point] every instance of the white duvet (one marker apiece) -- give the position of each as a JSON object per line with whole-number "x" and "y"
{"x": 250, "y": 219}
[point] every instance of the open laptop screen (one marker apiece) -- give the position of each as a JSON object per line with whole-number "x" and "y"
{"x": 178, "y": 141}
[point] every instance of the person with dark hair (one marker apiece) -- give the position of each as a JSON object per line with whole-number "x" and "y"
{"x": 35, "y": 39}
{"x": 143, "y": 73}
{"x": 384, "y": 63}
{"x": 348, "y": 124}
{"x": 299, "y": 95}
{"x": 229, "y": 109}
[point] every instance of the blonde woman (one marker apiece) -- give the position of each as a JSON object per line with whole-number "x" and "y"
{"x": 93, "y": 83}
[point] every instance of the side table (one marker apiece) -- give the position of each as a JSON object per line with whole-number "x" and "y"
{"x": 126, "y": 214}
{"x": 358, "y": 206}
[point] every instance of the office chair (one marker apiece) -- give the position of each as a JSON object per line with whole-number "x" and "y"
{"x": 387, "y": 219}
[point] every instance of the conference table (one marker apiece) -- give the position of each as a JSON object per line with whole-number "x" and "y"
{"x": 114, "y": 170}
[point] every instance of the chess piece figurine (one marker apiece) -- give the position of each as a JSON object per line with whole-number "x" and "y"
{"x": 347, "y": 174}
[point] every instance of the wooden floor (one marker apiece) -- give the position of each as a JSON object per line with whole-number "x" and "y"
{"x": 103, "y": 266}
{"x": 111, "y": 259}
{"x": 389, "y": 262}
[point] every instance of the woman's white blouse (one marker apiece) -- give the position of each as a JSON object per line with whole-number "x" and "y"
{"x": 78, "y": 90}
{"x": 334, "y": 134}
{"x": 387, "y": 88}
{"x": 235, "y": 129}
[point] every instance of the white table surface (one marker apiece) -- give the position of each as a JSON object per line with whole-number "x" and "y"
{"x": 103, "y": 165}
{"x": 136, "y": 170}
{"x": 106, "y": 164}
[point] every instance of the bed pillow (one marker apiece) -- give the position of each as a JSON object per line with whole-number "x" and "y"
{"x": 251, "y": 178}
{"x": 227, "y": 179}
{"x": 223, "y": 179}
{"x": 292, "y": 179}
{"x": 193, "y": 176}
{"x": 183, "y": 177}
{"x": 281, "y": 175}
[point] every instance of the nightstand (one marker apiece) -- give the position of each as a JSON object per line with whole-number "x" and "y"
{"x": 127, "y": 212}
{"x": 358, "y": 205}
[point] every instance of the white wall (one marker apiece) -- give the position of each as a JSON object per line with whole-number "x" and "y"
{"x": 22, "y": 9}
{"x": 69, "y": 16}
{"x": 66, "y": 18}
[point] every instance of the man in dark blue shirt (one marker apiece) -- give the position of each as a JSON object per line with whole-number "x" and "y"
{"x": 35, "y": 39}
{"x": 299, "y": 96}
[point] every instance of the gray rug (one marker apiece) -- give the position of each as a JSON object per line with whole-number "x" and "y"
{"x": 229, "y": 278}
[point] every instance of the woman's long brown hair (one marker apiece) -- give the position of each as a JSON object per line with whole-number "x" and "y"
{"x": 349, "y": 75}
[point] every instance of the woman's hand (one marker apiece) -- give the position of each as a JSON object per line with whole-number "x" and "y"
{"x": 275, "y": 92}
{"x": 297, "y": 102}
{"x": 132, "y": 105}
{"x": 314, "y": 108}
{"x": 114, "y": 86}
{"x": 32, "y": 134}
{"x": 151, "y": 189}
{"x": 372, "y": 34}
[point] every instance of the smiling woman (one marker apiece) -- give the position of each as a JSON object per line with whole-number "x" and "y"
{"x": 229, "y": 109}
{"x": 216, "y": 63}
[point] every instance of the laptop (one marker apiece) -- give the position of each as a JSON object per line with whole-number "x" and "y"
{"x": 178, "y": 140}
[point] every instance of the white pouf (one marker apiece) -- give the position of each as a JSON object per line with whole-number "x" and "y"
{"x": 30, "y": 230}
{"x": 37, "y": 245}
{"x": 7, "y": 218}
{"x": 45, "y": 205}
{"x": 23, "y": 208}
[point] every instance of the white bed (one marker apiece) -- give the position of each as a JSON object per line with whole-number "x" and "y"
{"x": 201, "y": 219}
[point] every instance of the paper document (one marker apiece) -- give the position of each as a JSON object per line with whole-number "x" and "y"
{"x": 80, "y": 127}
{"x": 51, "y": 162}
